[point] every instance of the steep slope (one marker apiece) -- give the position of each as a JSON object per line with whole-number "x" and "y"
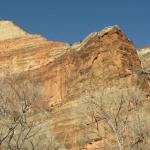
{"x": 144, "y": 54}
{"x": 20, "y": 51}
{"x": 28, "y": 53}
{"x": 9, "y": 30}
{"x": 104, "y": 59}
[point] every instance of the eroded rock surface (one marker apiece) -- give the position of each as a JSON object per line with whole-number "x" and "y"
{"x": 103, "y": 59}
{"x": 144, "y": 54}
{"x": 9, "y": 30}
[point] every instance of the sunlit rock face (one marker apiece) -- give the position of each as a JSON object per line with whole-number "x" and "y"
{"x": 144, "y": 54}
{"x": 66, "y": 72}
{"x": 63, "y": 70}
{"x": 9, "y": 30}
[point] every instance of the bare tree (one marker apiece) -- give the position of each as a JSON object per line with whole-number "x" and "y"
{"x": 17, "y": 98}
{"x": 19, "y": 128}
{"x": 115, "y": 110}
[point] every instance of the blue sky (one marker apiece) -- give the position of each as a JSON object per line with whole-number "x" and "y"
{"x": 72, "y": 20}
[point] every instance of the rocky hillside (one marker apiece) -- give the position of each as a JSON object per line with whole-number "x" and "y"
{"x": 108, "y": 55}
{"x": 9, "y": 30}
{"x": 66, "y": 73}
{"x": 144, "y": 54}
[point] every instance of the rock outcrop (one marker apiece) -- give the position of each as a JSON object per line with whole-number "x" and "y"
{"x": 9, "y": 30}
{"x": 65, "y": 72}
{"x": 144, "y": 54}
{"x": 105, "y": 57}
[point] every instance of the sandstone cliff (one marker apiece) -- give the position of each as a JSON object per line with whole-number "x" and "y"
{"x": 66, "y": 72}
{"x": 9, "y": 30}
{"x": 107, "y": 55}
{"x": 144, "y": 54}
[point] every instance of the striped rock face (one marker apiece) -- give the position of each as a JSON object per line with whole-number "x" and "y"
{"x": 21, "y": 51}
{"x": 105, "y": 57}
{"x": 65, "y": 72}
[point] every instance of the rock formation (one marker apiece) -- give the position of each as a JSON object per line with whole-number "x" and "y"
{"x": 65, "y": 72}
{"x": 8, "y": 30}
{"x": 107, "y": 55}
{"x": 144, "y": 54}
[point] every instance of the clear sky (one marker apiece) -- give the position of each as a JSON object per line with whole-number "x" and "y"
{"x": 72, "y": 20}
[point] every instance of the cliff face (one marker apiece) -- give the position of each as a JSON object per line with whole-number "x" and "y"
{"x": 144, "y": 54}
{"x": 103, "y": 59}
{"x": 22, "y": 52}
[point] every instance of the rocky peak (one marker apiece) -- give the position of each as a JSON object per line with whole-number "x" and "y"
{"x": 107, "y": 30}
{"x": 105, "y": 57}
{"x": 9, "y": 30}
{"x": 111, "y": 40}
